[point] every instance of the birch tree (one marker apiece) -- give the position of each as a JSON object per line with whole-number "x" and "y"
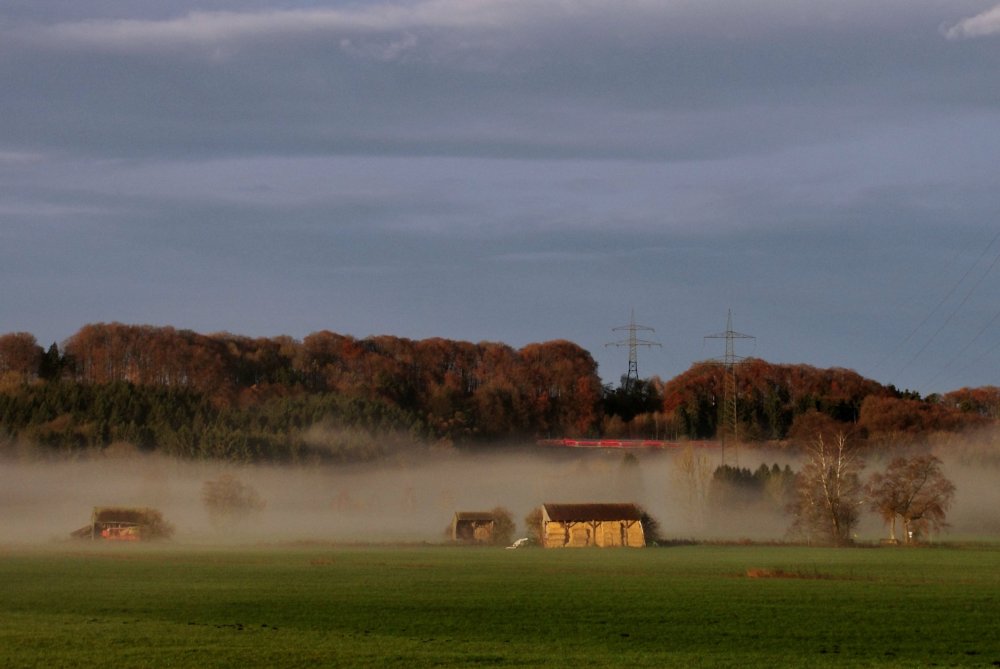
{"x": 692, "y": 478}
{"x": 828, "y": 491}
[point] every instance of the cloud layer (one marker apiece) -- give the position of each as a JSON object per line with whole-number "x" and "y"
{"x": 506, "y": 169}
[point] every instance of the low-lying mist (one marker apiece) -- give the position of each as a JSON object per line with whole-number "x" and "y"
{"x": 413, "y": 499}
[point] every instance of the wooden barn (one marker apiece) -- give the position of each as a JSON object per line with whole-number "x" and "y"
{"x": 124, "y": 524}
{"x": 601, "y": 525}
{"x": 473, "y": 527}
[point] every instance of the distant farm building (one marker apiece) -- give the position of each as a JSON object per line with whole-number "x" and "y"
{"x": 601, "y": 525}
{"x": 473, "y": 527}
{"x": 125, "y": 524}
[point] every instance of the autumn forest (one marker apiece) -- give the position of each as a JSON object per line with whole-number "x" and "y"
{"x": 335, "y": 397}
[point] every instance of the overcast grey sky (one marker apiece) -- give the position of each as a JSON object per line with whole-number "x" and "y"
{"x": 516, "y": 171}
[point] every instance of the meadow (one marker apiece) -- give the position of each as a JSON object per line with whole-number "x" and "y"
{"x": 313, "y": 605}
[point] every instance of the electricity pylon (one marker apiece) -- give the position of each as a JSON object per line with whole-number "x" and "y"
{"x": 633, "y": 342}
{"x": 730, "y": 361}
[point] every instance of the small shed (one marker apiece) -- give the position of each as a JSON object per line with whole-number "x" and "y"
{"x": 473, "y": 527}
{"x": 601, "y": 525}
{"x": 124, "y": 524}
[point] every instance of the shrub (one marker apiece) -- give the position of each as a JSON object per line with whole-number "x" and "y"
{"x": 533, "y": 521}
{"x": 227, "y": 499}
{"x": 650, "y": 528}
{"x": 503, "y": 527}
{"x": 155, "y": 526}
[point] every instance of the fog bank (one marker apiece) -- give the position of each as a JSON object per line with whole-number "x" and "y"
{"x": 412, "y": 500}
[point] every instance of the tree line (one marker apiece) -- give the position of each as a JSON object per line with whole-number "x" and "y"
{"x": 224, "y": 395}
{"x": 791, "y": 402}
{"x": 331, "y": 395}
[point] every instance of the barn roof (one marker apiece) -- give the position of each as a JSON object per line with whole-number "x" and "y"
{"x": 474, "y": 515}
{"x": 114, "y": 514}
{"x": 584, "y": 512}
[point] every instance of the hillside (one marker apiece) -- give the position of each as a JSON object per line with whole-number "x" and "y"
{"x": 332, "y": 396}
{"x": 777, "y": 402}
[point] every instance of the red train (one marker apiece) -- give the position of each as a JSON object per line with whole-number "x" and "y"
{"x": 624, "y": 443}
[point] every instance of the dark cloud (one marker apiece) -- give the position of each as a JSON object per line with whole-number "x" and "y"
{"x": 499, "y": 79}
{"x": 507, "y": 170}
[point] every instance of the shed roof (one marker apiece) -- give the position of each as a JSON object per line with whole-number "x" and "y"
{"x": 584, "y": 512}
{"x": 114, "y": 514}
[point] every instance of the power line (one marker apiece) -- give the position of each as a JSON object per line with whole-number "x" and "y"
{"x": 958, "y": 355}
{"x": 961, "y": 304}
{"x": 633, "y": 342}
{"x": 730, "y": 421}
{"x": 937, "y": 306}
{"x": 975, "y": 360}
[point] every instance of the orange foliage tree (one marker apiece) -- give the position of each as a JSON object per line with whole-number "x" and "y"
{"x": 20, "y": 354}
{"x": 460, "y": 390}
{"x": 891, "y": 419}
{"x": 984, "y": 401}
{"x": 915, "y": 490}
{"x": 770, "y": 397}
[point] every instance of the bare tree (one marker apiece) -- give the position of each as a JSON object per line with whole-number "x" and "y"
{"x": 828, "y": 490}
{"x": 915, "y": 490}
{"x": 693, "y": 476}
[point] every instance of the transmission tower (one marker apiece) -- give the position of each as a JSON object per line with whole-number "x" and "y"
{"x": 633, "y": 342}
{"x": 730, "y": 361}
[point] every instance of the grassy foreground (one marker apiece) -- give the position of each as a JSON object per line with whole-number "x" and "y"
{"x": 737, "y": 606}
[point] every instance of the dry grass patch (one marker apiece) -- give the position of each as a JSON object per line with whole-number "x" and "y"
{"x": 760, "y": 572}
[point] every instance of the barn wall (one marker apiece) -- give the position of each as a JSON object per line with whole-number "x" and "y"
{"x": 483, "y": 532}
{"x": 477, "y": 531}
{"x": 634, "y": 535}
{"x": 604, "y": 534}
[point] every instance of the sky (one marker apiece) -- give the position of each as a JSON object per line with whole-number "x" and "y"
{"x": 515, "y": 171}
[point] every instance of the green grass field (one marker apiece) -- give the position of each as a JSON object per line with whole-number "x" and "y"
{"x": 169, "y": 606}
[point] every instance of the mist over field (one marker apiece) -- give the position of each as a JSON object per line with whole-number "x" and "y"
{"x": 412, "y": 499}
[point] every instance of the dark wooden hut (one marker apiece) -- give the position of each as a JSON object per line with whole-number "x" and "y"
{"x": 124, "y": 524}
{"x": 474, "y": 527}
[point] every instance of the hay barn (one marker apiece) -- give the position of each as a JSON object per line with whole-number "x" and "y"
{"x": 124, "y": 524}
{"x": 601, "y": 525}
{"x": 473, "y": 527}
